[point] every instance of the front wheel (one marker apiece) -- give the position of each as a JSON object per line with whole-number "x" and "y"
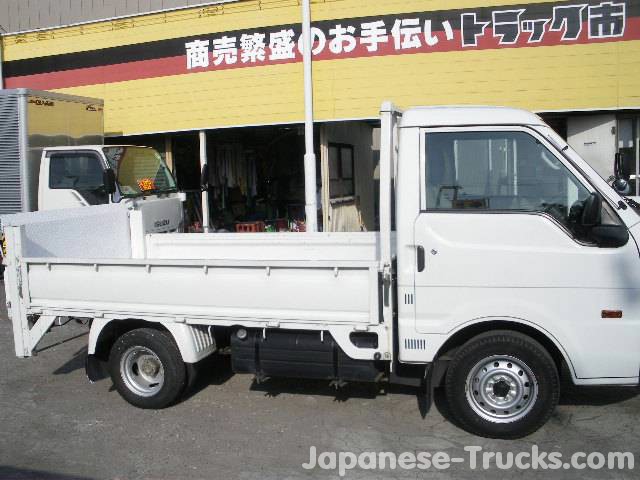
{"x": 502, "y": 384}
{"x": 147, "y": 369}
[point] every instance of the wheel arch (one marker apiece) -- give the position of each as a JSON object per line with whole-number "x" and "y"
{"x": 195, "y": 342}
{"x": 470, "y": 330}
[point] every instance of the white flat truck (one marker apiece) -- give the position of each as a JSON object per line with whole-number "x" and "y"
{"x": 503, "y": 261}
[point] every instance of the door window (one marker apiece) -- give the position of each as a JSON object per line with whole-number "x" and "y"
{"x": 81, "y": 172}
{"x": 341, "y": 166}
{"x": 499, "y": 171}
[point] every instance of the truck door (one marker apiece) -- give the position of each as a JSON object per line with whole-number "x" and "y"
{"x": 499, "y": 238}
{"x": 72, "y": 179}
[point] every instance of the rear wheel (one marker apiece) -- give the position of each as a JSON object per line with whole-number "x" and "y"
{"x": 502, "y": 384}
{"x": 147, "y": 369}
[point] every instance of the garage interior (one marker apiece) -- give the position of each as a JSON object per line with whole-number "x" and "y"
{"x": 256, "y": 176}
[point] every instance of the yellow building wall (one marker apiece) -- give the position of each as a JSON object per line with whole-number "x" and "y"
{"x": 550, "y": 78}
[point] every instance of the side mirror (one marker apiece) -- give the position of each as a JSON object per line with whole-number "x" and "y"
{"x": 592, "y": 211}
{"x": 204, "y": 177}
{"x": 109, "y": 181}
{"x": 621, "y": 186}
{"x": 610, "y": 236}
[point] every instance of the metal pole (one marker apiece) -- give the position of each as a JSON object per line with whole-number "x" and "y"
{"x": 311, "y": 210}
{"x": 1, "y": 58}
{"x": 388, "y": 114}
{"x": 205, "y": 192}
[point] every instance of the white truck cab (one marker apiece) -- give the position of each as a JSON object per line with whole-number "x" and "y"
{"x": 80, "y": 176}
{"x": 509, "y": 265}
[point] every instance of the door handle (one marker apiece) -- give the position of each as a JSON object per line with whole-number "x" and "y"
{"x": 420, "y": 258}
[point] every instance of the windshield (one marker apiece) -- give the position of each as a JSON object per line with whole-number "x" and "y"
{"x": 139, "y": 171}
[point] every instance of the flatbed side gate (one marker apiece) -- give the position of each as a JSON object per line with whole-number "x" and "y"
{"x": 13, "y": 289}
{"x": 26, "y": 336}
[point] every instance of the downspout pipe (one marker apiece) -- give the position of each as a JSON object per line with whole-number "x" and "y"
{"x": 206, "y": 225}
{"x": 311, "y": 208}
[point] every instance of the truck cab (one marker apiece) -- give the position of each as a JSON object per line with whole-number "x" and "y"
{"x": 100, "y": 174}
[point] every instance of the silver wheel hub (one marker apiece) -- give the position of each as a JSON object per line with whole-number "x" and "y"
{"x": 142, "y": 371}
{"x": 501, "y": 389}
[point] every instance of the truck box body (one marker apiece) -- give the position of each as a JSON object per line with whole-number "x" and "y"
{"x": 31, "y": 120}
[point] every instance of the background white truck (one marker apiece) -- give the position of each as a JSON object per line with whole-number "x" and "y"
{"x": 503, "y": 262}
{"x": 31, "y": 121}
{"x": 52, "y": 155}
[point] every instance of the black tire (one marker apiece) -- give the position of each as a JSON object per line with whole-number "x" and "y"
{"x": 511, "y": 359}
{"x": 174, "y": 372}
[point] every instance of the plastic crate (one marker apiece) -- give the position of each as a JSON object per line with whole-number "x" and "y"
{"x": 250, "y": 227}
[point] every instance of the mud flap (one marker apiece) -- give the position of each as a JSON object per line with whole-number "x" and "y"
{"x": 95, "y": 368}
{"x": 426, "y": 391}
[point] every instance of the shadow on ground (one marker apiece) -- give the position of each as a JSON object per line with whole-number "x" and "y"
{"x": 275, "y": 386}
{"x": 75, "y": 363}
{"x": 14, "y": 473}
{"x": 597, "y": 396}
{"x": 214, "y": 370}
{"x": 570, "y": 395}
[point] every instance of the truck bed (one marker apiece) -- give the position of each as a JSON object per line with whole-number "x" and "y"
{"x": 70, "y": 265}
{"x": 221, "y": 278}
